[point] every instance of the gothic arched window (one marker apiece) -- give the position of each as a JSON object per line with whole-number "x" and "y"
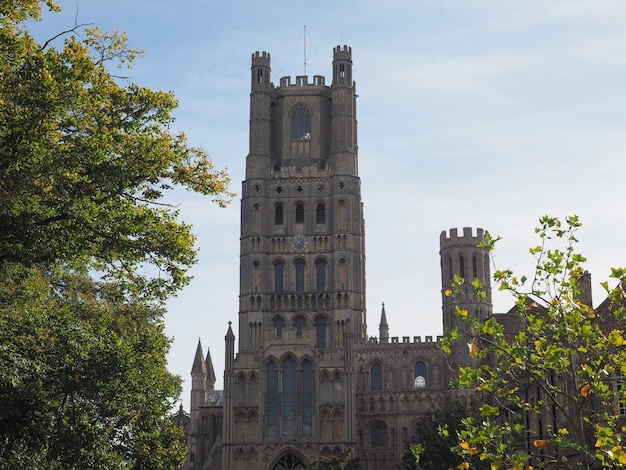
{"x": 320, "y": 214}
{"x": 474, "y": 266}
{"x": 420, "y": 375}
{"x": 376, "y": 377}
{"x": 300, "y": 265}
{"x": 461, "y": 266}
{"x": 278, "y": 215}
{"x": 342, "y": 274}
{"x": 256, "y": 276}
{"x": 299, "y": 214}
{"x": 300, "y": 123}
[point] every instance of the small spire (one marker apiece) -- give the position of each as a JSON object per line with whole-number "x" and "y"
{"x": 210, "y": 377}
{"x": 383, "y": 328}
{"x": 230, "y": 336}
{"x": 199, "y": 365}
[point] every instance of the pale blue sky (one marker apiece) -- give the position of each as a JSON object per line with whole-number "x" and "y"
{"x": 483, "y": 113}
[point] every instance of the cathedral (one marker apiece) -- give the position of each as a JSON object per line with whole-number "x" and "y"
{"x": 304, "y": 380}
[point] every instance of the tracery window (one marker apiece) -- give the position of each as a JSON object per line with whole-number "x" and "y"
{"x": 300, "y": 123}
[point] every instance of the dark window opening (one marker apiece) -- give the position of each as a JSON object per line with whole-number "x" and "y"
{"x": 321, "y": 276}
{"x": 300, "y": 276}
{"x": 474, "y": 266}
{"x": 320, "y": 325}
{"x": 320, "y": 214}
{"x": 377, "y": 377}
{"x": 301, "y": 123}
{"x": 462, "y": 266}
{"x": 278, "y": 215}
{"x": 299, "y": 214}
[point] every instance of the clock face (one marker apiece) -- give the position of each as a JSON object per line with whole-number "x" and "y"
{"x": 298, "y": 243}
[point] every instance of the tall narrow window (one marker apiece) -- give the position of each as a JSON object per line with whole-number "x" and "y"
{"x": 377, "y": 377}
{"x": 342, "y": 274}
{"x": 321, "y": 275}
{"x": 307, "y": 397}
{"x": 320, "y": 325}
{"x": 278, "y": 326}
{"x": 290, "y": 394}
{"x": 272, "y": 399}
{"x": 299, "y": 214}
{"x": 256, "y": 276}
{"x": 300, "y": 265}
{"x": 474, "y": 266}
{"x": 278, "y": 215}
{"x": 320, "y": 214}
{"x": 420, "y": 375}
{"x": 377, "y": 435}
{"x": 300, "y": 123}
{"x": 450, "y": 272}
{"x": 299, "y": 326}
{"x": 461, "y": 266}
{"x": 279, "y": 269}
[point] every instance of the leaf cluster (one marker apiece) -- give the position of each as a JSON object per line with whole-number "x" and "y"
{"x": 550, "y": 389}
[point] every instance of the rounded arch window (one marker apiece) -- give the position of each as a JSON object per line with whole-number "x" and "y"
{"x": 376, "y": 376}
{"x": 278, "y": 215}
{"x": 300, "y": 266}
{"x": 320, "y": 214}
{"x": 278, "y": 323}
{"x": 299, "y": 214}
{"x": 420, "y": 375}
{"x": 279, "y": 279}
{"x": 320, "y": 271}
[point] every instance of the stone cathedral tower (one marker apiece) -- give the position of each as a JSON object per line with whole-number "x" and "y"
{"x": 302, "y": 285}
{"x": 304, "y": 380}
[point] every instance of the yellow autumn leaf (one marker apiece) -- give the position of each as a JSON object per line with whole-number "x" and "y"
{"x": 585, "y": 390}
{"x": 464, "y": 445}
{"x": 473, "y": 349}
{"x": 463, "y": 466}
{"x": 448, "y": 293}
{"x": 462, "y": 312}
{"x": 494, "y": 466}
{"x": 541, "y": 443}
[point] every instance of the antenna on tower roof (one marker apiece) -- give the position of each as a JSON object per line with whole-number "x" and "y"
{"x": 305, "y": 50}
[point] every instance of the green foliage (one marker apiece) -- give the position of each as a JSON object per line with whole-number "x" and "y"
{"x": 84, "y": 382}
{"x": 89, "y": 251}
{"x": 343, "y": 461}
{"x": 86, "y": 161}
{"x": 549, "y": 391}
{"x": 436, "y": 435}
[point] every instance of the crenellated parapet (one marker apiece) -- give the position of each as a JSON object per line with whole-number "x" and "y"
{"x": 453, "y": 239}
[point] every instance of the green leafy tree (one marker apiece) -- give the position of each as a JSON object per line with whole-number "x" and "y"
{"x": 436, "y": 434}
{"x": 343, "y": 461}
{"x": 89, "y": 251}
{"x": 87, "y": 159}
{"x": 549, "y": 391}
